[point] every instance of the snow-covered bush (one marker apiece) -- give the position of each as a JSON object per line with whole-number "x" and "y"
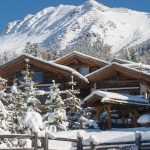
{"x": 144, "y": 120}
{"x": 33, "y": 122}
{"x": 88, "y": 123}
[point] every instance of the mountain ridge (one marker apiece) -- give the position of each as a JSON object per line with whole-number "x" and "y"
{"x": 65, "y": 25}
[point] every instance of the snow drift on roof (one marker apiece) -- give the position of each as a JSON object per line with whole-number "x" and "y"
{"x": 132, "y": 67}
{"x": 66, "y": 68}
{"x": 124, "y": 98}
{"x": 82, "y": 55}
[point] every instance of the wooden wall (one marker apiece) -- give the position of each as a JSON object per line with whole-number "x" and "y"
{"x": 118, "y": 80}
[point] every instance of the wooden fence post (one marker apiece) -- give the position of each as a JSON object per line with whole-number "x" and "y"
{"x": 92, "y": 145}
{"x": 138, "y": 139}
{"x": 79, "y": 143}
{"x": 46, "y": 141}
{"x": 35, "y": 141}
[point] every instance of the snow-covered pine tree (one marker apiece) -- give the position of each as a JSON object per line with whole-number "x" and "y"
{"x": 53, "y": 51}
{"x": 134, "y": 55}
{"x": 77, "y": 116}
{"x": 29, "y": 89}
{"x": 56, "y": 115}
{"x": 74, "y": 111}
{"x": 23, "y": 99}
{"x": 17, "y": 109}
{"x": 3, "y": 99}
{"x": 32, "y": 117}
{"x": 96, "y": 49}
{"x": 34, "y": 49}
{"x": 32, "y": 120}
{"x": 4, "y": 122}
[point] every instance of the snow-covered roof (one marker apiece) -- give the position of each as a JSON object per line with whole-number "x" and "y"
{"x": 129, "y": 70}
{"x": 98, "y": 70}
{"x": 139, "y": 66}
{"x": 79, "y": 54}
{"x": 143, "y": 119}
{"x": 131, "y": 64}
{"x": 117, "y": 98}
{"x": 58, "y": 66}
{"x": 122, "y": 61}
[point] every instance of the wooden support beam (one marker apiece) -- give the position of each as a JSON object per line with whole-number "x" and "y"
{"x": 134, "y": 118}
{"x": 123, "y": 113}
{"x": 98, "y": 110}
{"x": 46, "y": 141}
{"x": 109, "y": 110}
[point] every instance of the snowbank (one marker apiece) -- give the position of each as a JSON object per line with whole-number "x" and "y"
{"x": 144, "y": 119}
{"x": 114, "y": 135}
{"x": 33, "y": 121}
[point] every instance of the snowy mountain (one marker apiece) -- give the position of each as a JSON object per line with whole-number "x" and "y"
{"x": 65, "y": 25}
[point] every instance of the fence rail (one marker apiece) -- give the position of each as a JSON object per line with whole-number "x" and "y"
{"x": 139, "y": 143}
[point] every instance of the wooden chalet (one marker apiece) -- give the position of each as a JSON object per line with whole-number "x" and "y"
{"x": 83, "y": 63}
{"x": 121, "y": 79}
{"x": 44, "y": 72}
{"x": 112, "y": 88}
{"x": 115, "y": 89}
{"x": 114, "y": 109}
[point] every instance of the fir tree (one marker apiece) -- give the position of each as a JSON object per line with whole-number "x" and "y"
{"x": 23, "y": 99}
{"x": 3, "y": 112}
{"x": 78, "y": 117}
{"x": 29, "y": 89}
{"x": 134, "y": 55}
{"x": 74, "y": 111}
{"x": 56, "y": 111}
{"x": 30, "y": 100}
{"x": 17, "y": 108}
{"x": 6, "y": 122}
{"x": 34, "y": 49}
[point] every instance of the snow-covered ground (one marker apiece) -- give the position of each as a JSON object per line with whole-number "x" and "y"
{"x": 65, "y": 25}
{"x": 98, "y": 136}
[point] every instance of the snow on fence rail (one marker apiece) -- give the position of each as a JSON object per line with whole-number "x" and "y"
{"x": 35, "y": 139}
{"x": 137, "y": 144}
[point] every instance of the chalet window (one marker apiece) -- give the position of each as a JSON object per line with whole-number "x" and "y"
{"x": 38, "y": 77}
{"x": 84, "y": 70}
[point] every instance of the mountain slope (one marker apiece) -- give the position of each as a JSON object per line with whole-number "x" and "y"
{"x": 65, "y": 25}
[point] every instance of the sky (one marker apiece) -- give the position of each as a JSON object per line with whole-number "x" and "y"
{"x": 11, "y": 10}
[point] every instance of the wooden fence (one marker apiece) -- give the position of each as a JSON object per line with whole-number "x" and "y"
{"x": 35, "y": 139}
{"x": 137, "y": 144}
